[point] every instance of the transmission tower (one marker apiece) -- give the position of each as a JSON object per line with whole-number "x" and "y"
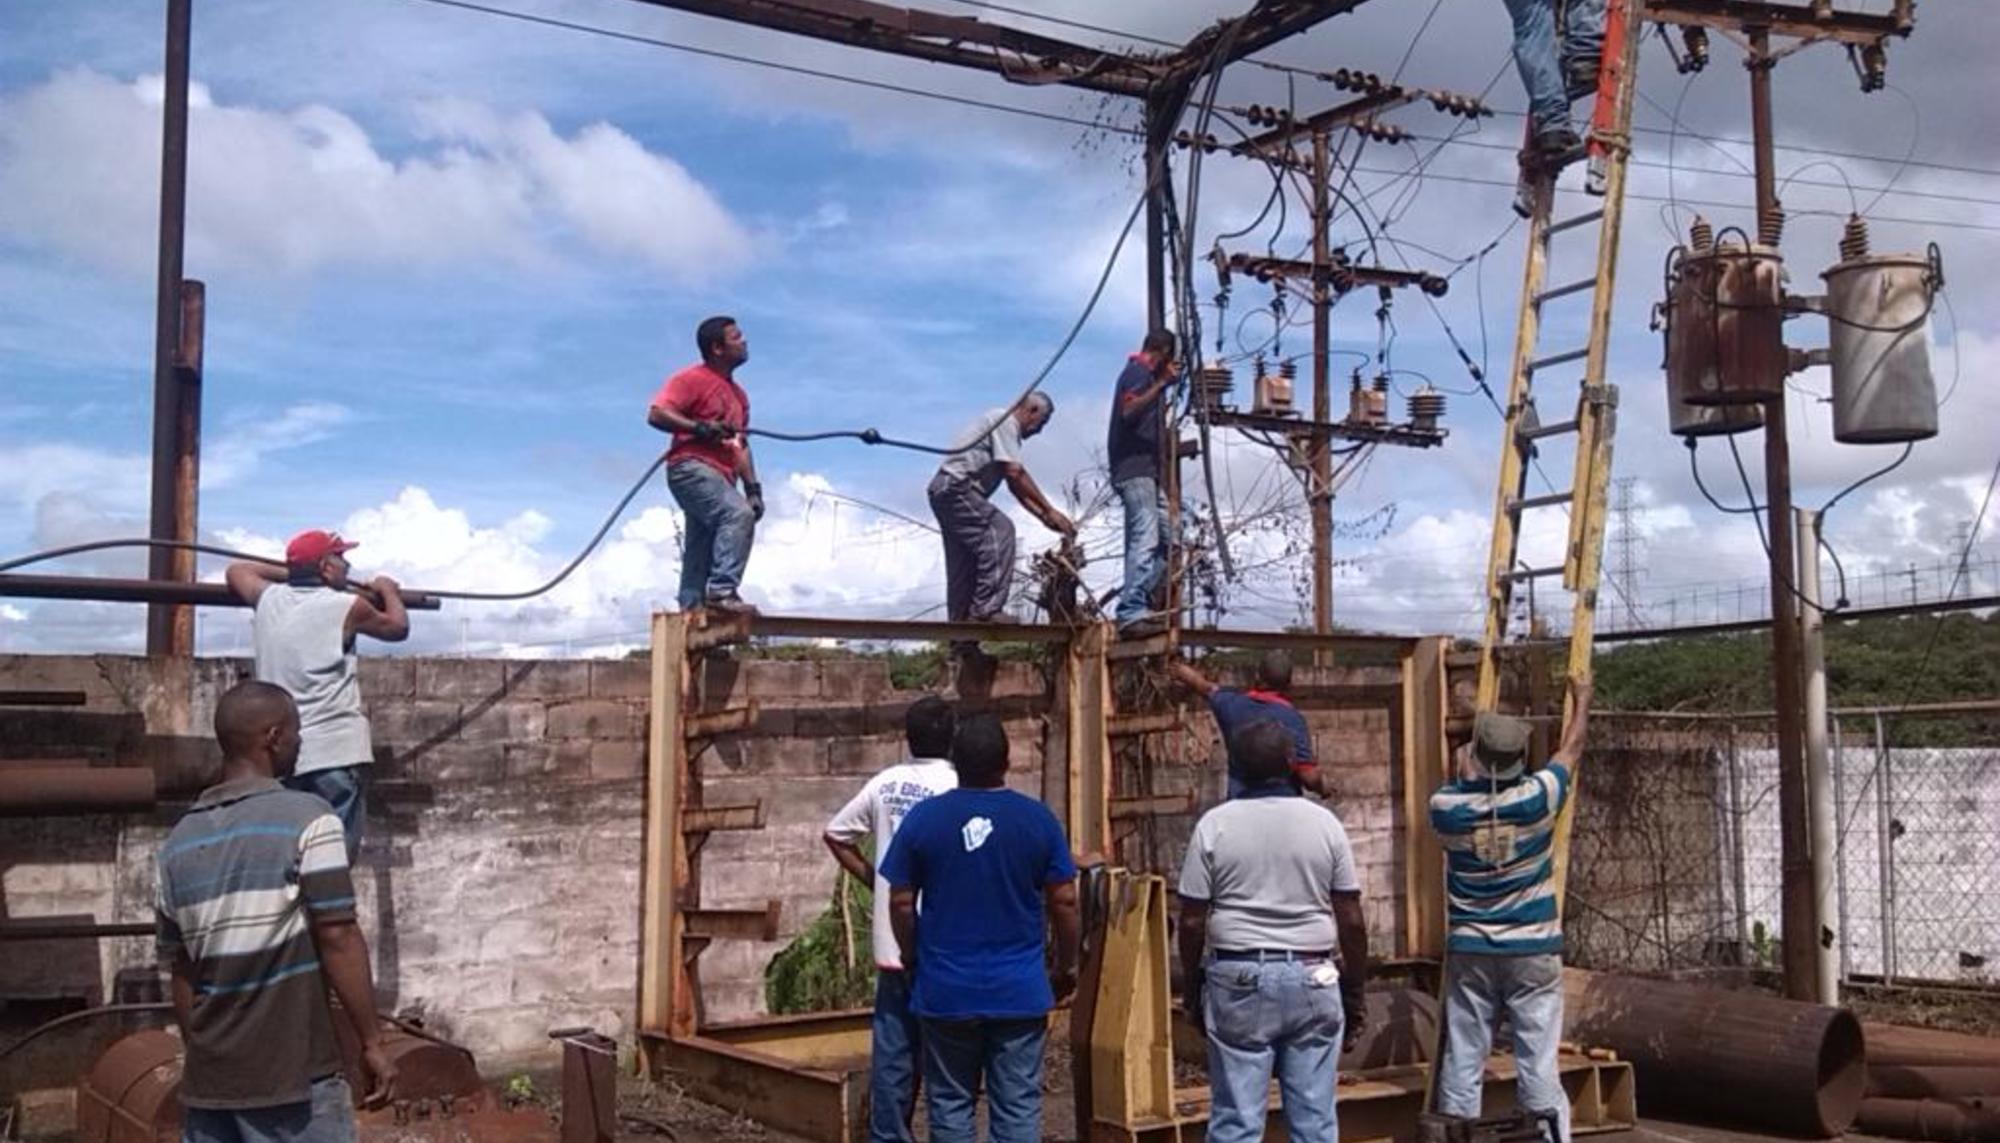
{"x": 1626, "y": 573}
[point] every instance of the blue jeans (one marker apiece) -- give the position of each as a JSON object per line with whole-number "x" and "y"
{"x": 1008, "y": 1054}
{"x": 1264, "y": 1016}
{"x": 719, "y": 531}
{"x": 1529, "y": 989}
{"x": 892, "y": 1064}
{"x": 1145, "y": 545}
{"x": 328, "y": 1117}
{"x": 1540, "y": 62}
{"x": 345, "y": 788}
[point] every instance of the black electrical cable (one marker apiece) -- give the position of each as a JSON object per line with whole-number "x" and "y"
{"x": 1694, "y": 466}
{"x": 483, "y": 596}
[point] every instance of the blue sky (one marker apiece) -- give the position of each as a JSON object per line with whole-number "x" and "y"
{"x": 450, "y": 256}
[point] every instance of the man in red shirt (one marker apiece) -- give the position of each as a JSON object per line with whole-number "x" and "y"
{"x": 706, "y": 411}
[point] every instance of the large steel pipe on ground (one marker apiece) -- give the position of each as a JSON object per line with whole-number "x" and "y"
{"x": 1733, "y": 1057}
{"x": 1900, "y": 1044}
{"x": 41, "y": 791}
{"x": 1947, "y": 1121}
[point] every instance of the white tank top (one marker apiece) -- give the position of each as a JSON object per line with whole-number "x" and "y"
{"x": 300, "y": 635}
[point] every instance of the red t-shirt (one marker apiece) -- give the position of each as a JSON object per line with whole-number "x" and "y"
{"x": 705, "y": 395}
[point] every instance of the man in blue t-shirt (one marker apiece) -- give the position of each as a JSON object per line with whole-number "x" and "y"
{"x": 985, "y": 866}
{"x": 1132, "y": 446}
{"x": 1264, "y": 701}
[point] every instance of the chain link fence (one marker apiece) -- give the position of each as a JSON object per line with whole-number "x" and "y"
{"x": 1676, "y": 861}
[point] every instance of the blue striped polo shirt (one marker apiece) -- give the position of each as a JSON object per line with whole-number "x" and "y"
{"x": 242, "y": 878}
{"x": 1499, "y": 861}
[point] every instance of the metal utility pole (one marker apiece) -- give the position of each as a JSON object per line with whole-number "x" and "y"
{"x": 1321, "y": 492}
{"x": 1865, "y": 34}
{"x": 1800, "y": 910}
{"x": 1819, "y": 773}
{"x": 176, "y": 406}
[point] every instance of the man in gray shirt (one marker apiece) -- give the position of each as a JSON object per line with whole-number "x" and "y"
{"x": 303, "y": 632}
{"x": 1268, "y": 891}
{"x": 978, "y": 538}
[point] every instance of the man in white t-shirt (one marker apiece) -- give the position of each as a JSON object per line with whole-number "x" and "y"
{"x": 879, "y": 809}
{"x": 304, "y": 629}
{"x": 978, "y": 537}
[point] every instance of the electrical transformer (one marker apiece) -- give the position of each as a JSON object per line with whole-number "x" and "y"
{"x": 1878, "y": 309}
{"x": 1725, "y": 321}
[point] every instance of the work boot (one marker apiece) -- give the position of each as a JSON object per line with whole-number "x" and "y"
{"x": 731, "y": 604}
{"x": 1144, "y": 627}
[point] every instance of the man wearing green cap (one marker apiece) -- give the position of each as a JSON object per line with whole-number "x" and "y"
{"x": 1498, "y": 824}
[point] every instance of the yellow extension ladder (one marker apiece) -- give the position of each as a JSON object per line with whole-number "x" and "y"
{"x": 1593, "y": 421}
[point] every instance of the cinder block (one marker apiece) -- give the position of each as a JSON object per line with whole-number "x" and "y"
{"x": 832, "y": 722}
{"x": 537, "y": 758}
{"x": 411, "y": 721}
{"x": 384, "y": 677}
{"x": 503, "y": 722}
{"x": 614, "y": 760}
{"x": 548, "y": 678}
{"x": 854, "y": 681}
{"x": 596, "y": 719}
{"x": 863, "y": 756}
{"x": 780, "y": 679}
{"x": 748, "y": 756}
{"x": 621, "y": 678}
{"x": 452, "y": 763}
{"x": 512, "y": 941}
{"x": 468, "y": 680}
{"x": 1015, "y": 678}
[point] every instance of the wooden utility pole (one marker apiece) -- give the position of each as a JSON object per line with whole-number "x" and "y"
{"x": 1319, "y": 494}
{"x": 176, "y": 406}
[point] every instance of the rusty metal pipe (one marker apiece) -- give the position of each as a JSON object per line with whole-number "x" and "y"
{"x": 1925, "y": 1047}
{"x": 65, "y": 929}
{"x": 52, "y": 790}
{"x": 1958, "y": 1121}
{"x": 1734, "y": 1057}
{"x": 1933, "y": 1081}
{"x": 108, "y": 590}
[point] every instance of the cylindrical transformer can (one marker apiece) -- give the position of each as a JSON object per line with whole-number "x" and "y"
{"x": 1725, "y": 313}
{"x": 1878, "y": 309}
{"x": 1685, "y": 420}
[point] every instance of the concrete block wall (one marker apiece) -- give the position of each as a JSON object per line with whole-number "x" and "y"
{"x": 499, "y": 884}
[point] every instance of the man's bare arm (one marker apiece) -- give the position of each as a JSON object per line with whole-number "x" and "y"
{"x": 1193, "y": 935}
{"x": 1313, "y": 777}
{"x": 903, "y": 922}
{"x": 1067, "y": 921}
{"x": 389, "y": 622}
{"x": 1353, "y": 929}
{"x": 1187, "y": 676}
{"x": 248, "y": 580}
{"x": 1578, "y": 726}
{"x": 849, "y": 857}
{"x": 181, "y": 988}
{"x": 1030, "y": 495}
{"x": 343, "y": 957}
{"x": 1130, "y": 405}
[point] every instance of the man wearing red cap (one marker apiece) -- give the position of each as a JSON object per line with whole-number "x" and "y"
{"x": 303, "y": 632}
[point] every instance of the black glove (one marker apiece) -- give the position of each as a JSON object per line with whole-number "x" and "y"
{"x": 710, "y": 430}
{"x": 754, "y": 493}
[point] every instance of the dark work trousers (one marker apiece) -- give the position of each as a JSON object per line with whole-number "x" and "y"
{"x": 978, "y": 549}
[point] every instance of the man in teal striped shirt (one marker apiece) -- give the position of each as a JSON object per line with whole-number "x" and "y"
{"x": 1498, "y": 824}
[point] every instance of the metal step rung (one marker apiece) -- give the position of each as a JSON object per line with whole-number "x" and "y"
{"x": 1565, "y": 291}
{"x": 1548, "y": 501}
{"x": 1552, "y": 429}
{"x": 1520, "y": 574}
{"x": 1555, "y": 359}
{"x": 1584, "y": 219}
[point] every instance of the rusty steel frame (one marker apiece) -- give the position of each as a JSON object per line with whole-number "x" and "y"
{"x": 807, "y": 1074}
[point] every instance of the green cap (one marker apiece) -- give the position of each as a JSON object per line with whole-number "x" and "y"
{"x": 1499, "y": 741}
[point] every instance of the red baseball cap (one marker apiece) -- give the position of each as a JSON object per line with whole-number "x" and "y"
{"x": 311, "y": 547}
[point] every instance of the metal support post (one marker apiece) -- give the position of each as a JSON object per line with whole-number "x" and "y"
{"x": 1841, "y": 813}
{"x": 1321, "y": 493}
{"x": 1741, "y": 879}
{"x": 1819, "y": 779}
{"x": 1885, "y": 851}
{"x": 164, "y": 623}
{"x": 1800, "y": 904}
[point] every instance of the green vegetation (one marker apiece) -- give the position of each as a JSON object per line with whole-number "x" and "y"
{"x": 1875, "y": 662}
{"x": 830, "y": 966}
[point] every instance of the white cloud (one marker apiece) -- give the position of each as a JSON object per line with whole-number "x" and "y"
{"x": 292, "y": 191}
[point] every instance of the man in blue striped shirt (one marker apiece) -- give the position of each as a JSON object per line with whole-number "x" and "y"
{"x": 256, "y": 924}
{"x": 1498, "y": 824}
